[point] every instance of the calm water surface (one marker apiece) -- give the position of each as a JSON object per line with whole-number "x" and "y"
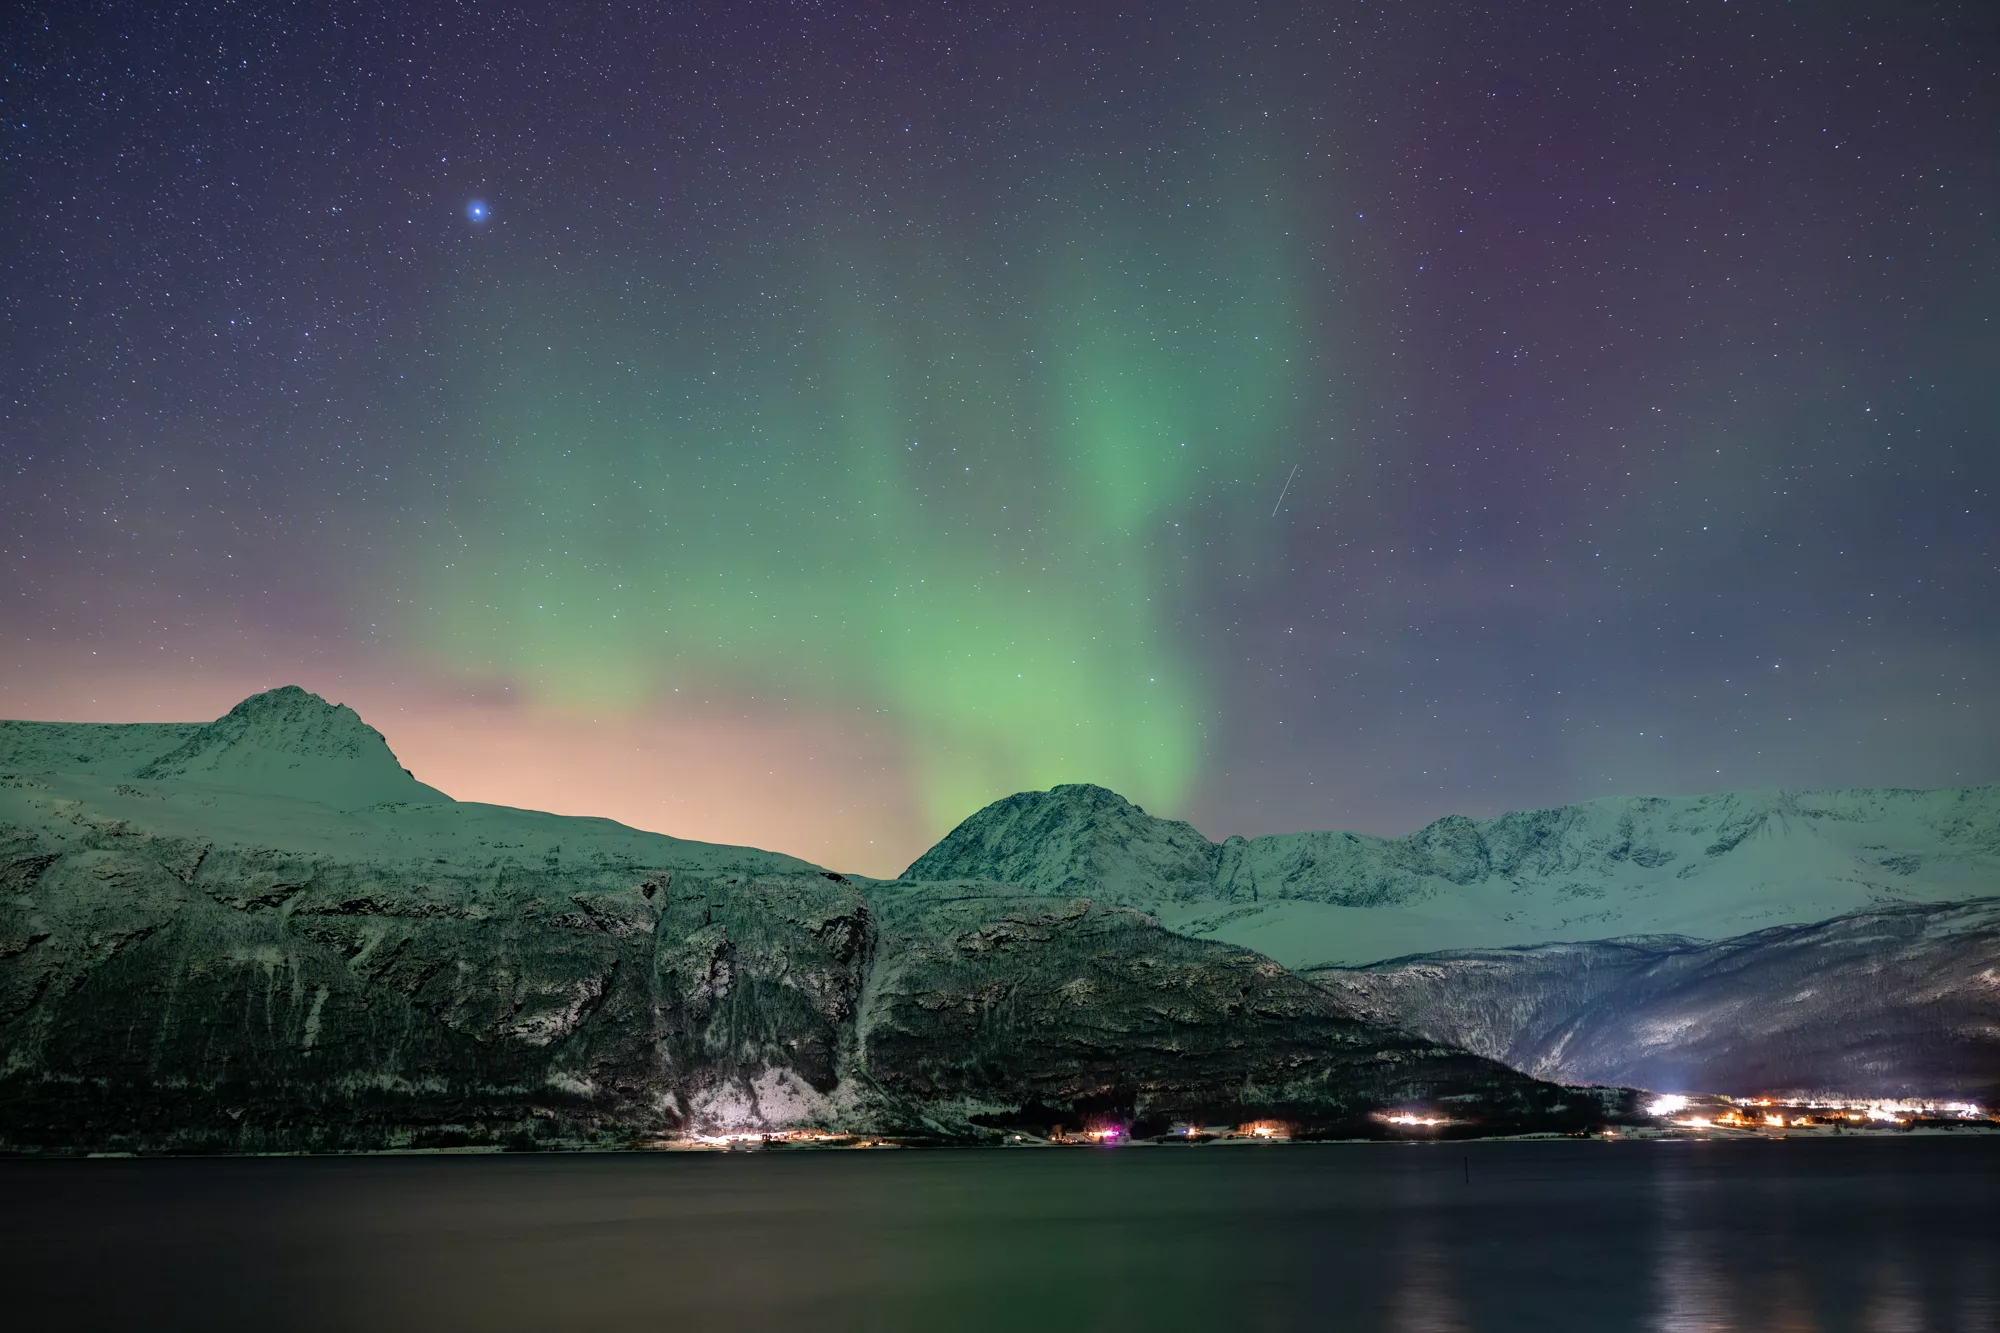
{"x": 1874, "y": 1235}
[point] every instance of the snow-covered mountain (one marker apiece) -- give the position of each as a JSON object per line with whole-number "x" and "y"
{"x": 286, "y": 742}
{"x": 281, "y": 743}
{"x": 1710, "y": 867}
{"x": 261, "y": 933}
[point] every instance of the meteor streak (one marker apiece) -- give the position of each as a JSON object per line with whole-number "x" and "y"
{"x": 1287, "y": 487}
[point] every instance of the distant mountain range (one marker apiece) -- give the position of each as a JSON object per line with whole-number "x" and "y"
{"x": 263, "y": 933}
{"x": 1704, "y": 866}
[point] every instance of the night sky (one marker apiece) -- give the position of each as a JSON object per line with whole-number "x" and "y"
{"x": 800, "y": 424}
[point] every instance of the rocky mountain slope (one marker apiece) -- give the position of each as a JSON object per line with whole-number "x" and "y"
{"x": 1900, "y": 1002}
{"x": 1000, "y": 1003}
{"x": 264, "y": 934}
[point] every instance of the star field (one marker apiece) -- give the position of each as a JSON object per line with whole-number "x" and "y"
{"x": 802, "y": 423}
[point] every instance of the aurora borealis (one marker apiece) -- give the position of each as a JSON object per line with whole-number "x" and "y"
{"x": 966, "y": 491}
{"x": 800, "y": 425}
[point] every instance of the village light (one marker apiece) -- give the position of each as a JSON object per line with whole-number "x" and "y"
{"x": 1268, "y": 1130}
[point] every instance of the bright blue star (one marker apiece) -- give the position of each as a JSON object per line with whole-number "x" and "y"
{"x": 475, "y": 212}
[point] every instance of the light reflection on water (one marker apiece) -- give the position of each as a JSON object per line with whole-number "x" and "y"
{"x": 1425, "y": 1299}
{"x": 1874, "y": 1237}
{"x": 1858, "y": 1241}
{"x": 1688, "y": 1283}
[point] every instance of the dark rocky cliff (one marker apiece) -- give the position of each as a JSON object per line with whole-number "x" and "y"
{"x": 1007, "y": 1007}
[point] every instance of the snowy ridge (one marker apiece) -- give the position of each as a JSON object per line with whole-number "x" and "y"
{"x": 285, "y": 768}
{"x": 113, "y": 749}
{"x": 1709, "y": 866}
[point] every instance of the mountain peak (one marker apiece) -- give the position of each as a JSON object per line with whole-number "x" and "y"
{"x": 1077, "y": 839}
{"x": 290, "y": 742}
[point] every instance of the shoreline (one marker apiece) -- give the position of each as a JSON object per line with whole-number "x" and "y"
{"x": 842, "y": 1144}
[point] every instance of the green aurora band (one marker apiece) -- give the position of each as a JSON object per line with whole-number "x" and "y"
{"x": 973, "y": 488}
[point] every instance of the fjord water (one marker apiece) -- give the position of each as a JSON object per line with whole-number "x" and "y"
{"x": 1861, "y": 1235}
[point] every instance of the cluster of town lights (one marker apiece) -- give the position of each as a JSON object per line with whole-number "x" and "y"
{"x": 1703, "y": 1112}
{"x": 757, "y": 1137}
{"x": 1267, "y": 1131}
{"x": 1783, "y": 1113}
